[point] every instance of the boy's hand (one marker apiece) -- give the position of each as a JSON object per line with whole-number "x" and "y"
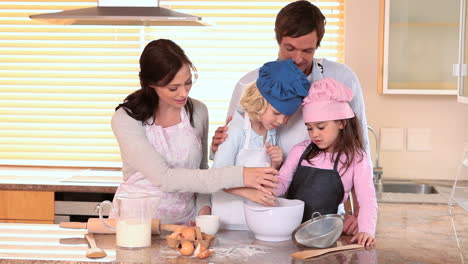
{"x": 276, "y": 155}
{"x": 220, "y": 135}
{"x": 260, "y": 197}
{"x": 363, "y": 238}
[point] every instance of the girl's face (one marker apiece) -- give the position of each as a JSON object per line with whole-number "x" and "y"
{"x": 325, "y": 134}
{"x": 272, "y": 118}
{"x": 175, "y": 93}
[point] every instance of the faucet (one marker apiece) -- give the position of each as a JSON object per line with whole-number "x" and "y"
{"x": 377, "y": 170}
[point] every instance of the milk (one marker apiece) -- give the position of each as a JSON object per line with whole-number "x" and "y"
{"x": 133, "y": 233}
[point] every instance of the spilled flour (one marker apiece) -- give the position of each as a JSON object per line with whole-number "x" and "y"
{"x": 241, "y": 250}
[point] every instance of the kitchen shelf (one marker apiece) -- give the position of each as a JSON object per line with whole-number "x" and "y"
{"x": 419, "y": 47}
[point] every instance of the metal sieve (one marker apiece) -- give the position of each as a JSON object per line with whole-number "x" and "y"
{"x": 321, "y": 231}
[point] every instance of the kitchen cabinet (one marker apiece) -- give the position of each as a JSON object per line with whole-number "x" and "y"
{"x": 26, "y": 207}
{"x": 462, "y": 94}
{"x": 419, "y": 46}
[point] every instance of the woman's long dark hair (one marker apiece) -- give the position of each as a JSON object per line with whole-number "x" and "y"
{"x": 348, "y": 144}
{"x": 160, "y": 61}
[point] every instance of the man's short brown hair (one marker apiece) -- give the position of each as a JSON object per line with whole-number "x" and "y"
{"x": 299, "y": 18}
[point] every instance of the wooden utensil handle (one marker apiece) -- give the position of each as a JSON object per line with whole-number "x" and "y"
{"x": 347, "y": 247}
{"x": 94, "y": 225}
{"x": 90, "y": 238}
{"x": 73, "y": 225}
{"x": 305, "y": 254}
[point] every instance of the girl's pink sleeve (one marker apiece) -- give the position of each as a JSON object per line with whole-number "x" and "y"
{"x": 288, "y": 168}
{"x": 365, "y": 192}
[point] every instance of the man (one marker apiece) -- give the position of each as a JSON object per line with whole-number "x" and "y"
{"x": 299, "y": 29}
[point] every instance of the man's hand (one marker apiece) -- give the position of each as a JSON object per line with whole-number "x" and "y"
{"x": 205, "y": 210}
{"x": 220, "y": 135}
{"x": 350, "y": 225}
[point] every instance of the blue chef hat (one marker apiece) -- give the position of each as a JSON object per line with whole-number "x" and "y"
{"x": 283, "y": 85}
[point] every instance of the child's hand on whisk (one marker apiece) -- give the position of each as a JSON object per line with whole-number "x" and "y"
{"x": 276, "y": 155}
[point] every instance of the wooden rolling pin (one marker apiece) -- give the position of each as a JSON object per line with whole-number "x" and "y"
{"x": 94, "y": 225}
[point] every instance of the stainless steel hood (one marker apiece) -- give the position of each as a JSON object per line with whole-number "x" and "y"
{"x": 117, "y": 12}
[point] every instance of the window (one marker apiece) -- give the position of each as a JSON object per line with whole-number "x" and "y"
{"x": 59, "y": 84}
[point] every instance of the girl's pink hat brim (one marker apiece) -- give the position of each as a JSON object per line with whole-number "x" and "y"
{"x": 327, "y": 100}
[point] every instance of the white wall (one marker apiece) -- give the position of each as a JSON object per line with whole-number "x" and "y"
{"x": 446, "y": 119}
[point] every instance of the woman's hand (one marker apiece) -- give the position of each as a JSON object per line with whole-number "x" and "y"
{"x": 363, "y": 238}
{"x": 276, "y": 155}
{"x": 261, "y": 179}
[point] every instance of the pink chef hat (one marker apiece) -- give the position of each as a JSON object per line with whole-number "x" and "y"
{"x": 327, "y": 100}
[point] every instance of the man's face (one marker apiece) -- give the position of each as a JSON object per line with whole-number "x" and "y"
{"x": 301, "y": 50}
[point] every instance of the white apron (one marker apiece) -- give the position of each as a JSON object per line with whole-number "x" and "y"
{"x": 181, "y": 148}
{"x": 229, "y": 207}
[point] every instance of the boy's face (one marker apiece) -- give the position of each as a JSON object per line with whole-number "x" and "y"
{"x": 301, "y": 50}
{"x": 324, "y": 134}
{"x": 272, "y": 118}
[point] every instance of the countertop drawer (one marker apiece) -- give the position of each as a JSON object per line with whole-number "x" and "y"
{"x": 27, "y": 205}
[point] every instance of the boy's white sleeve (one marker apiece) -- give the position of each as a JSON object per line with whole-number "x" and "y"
{"x": 227, "y": 151}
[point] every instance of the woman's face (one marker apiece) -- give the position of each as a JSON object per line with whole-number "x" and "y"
{"x": 175, "y": 93}
{"x": 324, "y": 134}
{"x": 272, "y": 118}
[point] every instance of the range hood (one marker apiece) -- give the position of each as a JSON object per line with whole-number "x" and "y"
{"x": 122, "y": 12}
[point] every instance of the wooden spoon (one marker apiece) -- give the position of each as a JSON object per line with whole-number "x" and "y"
{"x": 93, "y": 251}
{"x": 305, "y": 254}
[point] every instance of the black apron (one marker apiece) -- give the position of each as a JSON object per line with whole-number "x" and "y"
{"x": 320, "y": 189}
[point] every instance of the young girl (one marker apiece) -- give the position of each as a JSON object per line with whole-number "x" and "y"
{"x": 267, "y": 104}
{"x": 323, "y": 170}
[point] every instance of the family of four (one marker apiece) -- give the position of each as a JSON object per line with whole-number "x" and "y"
{"x": 298, "y": 130}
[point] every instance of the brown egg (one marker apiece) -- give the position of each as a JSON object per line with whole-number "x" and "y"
{"x": 204, "y": 254}
{"x": 201, "y": 252}
{"x": 186, "y": 248}
{"x": 188, "y": 233}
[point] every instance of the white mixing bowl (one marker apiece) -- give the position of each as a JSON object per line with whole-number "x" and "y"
{"x": 274, "y": 223}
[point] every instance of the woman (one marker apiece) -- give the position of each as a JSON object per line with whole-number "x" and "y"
{"x": 162, "y": 135}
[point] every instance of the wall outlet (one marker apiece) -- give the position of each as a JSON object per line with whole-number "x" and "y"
{"x": 391, "y": 139}
{"x": 419, "y": 139}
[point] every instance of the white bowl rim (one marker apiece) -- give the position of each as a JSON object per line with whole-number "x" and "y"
{"x": 294, "y": 203}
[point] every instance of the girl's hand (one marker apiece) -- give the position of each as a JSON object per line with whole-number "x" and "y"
{"x": 363, "y": 238}
{"x": 259, "y": 197}
{"x": 276, "y": 155}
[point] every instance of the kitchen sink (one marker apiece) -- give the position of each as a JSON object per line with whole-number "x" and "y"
{"x": 405, "y": 187}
